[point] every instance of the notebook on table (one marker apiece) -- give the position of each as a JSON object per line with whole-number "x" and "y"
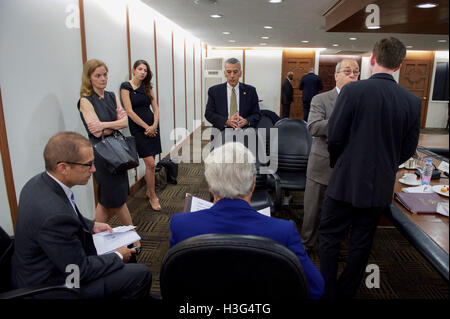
{"x": 420, "y": 203}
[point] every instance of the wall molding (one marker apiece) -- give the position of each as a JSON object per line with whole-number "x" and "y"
{"x": 7, "y": 167}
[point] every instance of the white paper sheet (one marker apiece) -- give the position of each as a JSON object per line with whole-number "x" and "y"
{"x": 106, "y": 242}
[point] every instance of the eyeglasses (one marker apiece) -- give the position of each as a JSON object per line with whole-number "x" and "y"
{"x": 89, "y": 164}
{"x": 347, "y": 72}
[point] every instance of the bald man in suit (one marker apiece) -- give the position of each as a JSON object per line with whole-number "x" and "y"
{"x": 318, "y": 172}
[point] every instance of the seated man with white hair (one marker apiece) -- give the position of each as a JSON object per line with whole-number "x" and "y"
{"x": 230, "y": 173}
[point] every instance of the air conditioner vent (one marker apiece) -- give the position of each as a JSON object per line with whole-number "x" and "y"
{"x": 213, "y": 64}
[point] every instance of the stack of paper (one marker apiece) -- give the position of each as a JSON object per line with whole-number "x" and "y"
{"x": 107, "y": 242}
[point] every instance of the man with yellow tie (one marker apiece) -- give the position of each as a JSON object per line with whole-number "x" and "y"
{"x": 232, "y": 104}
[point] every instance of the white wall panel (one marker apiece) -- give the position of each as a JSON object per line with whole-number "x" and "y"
{"x": 262, "y": 70}
{"x": 199, "y": 100}
{"x": 180, "y": 98}
{"x": 437, "y": 110}
{"x": 190, "y": 84}
{"x": 40, "y": 79}
{"x": 164, "y": 51}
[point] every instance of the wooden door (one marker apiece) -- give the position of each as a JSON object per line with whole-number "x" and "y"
{"x": 415, "y": 75}
{"x": 326, "y": 73}
{"x": 299, "y": 62}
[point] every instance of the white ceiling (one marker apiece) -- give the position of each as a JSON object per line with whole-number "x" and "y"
{"x": 292, "y": 20}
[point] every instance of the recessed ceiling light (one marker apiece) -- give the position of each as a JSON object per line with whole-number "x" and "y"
{"x": 409, "y": 46}
{"x": 373, "y": 27}
{"x": 335, "y": 45}
{"x": 263, "y": 43}
{"x": 275, "y": 1}
{"x": 216, "y": 16}
{"x": 305, "y": 41}
{"x": 226, "y": 32}
{"x": 267, "y": 27}
{"x": 232, "y": 41}
{"x": 264, "y": 37}
{"x": 442, "y": 41}
{"x": 427, "y": 5}
{"x": 353, "y": 39}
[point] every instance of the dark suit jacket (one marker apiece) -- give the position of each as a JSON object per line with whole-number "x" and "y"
{"x": 373, "y": 129}
{"x": 236, "y": 216}
{"x": 50, "y": 235}
{"x": 217, "y": 107}
{"x": 287, "y": 92}
{"x": 310, "y": 84}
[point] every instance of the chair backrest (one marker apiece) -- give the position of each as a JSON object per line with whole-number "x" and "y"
{"x": 224, "y": 267}
{"x": 6, "y": 252}
{"x": 294, "y": 144}
{"x": 265, "y": 123}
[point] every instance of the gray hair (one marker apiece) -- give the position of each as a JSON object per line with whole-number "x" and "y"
{"x": 338, "y": 66}
{"x": 229, "y": 170}
{"x": 233, "y": 61}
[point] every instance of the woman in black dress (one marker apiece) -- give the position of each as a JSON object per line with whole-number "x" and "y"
{"x": 101, "y": 110}
{"x": 137, "y": 97}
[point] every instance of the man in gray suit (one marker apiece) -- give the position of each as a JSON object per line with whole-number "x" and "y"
{"x": 318, "y": 172}
{"x": 51, "y": 234}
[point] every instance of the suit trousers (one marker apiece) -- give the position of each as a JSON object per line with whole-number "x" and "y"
{"x": 314, "y": 195}
{"x": 286, "y": 110}
{"x": 306, "y": 107}
{"x": 335, "y": 222}
{"x": 133, "y": 281}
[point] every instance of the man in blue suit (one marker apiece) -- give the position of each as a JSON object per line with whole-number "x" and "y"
{"x": 310, "y": 84}
{"x": 230, "y": 173}
{"x": 374, "y": 128}
{"x": 232, "y": 104}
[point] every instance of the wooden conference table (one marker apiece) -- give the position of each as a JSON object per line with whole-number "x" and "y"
{"x": 429, "y": 233}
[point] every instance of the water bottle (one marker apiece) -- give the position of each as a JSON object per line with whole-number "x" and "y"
{"x": 427, "y": 172}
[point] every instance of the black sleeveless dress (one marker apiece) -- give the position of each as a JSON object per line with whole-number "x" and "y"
{"x": 140, "y": 102}
{"x": 113, "y": 189}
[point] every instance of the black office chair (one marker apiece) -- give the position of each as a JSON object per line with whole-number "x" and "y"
{"x": 231, "y": 268}
{"x": 6, "y": 252}
{"x": 261, "y": 197}
{"x": 294, "y": 145}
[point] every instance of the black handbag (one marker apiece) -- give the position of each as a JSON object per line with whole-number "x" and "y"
{"x": 171, "y": 168}
{"x": 118, "y": 151}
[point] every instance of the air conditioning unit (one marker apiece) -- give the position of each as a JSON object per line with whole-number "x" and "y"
{"x": 213, "y": 75}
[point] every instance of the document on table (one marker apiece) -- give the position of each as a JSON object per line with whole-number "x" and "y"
{"x": 195, "y": 204}
{"x": 106, "y": 242}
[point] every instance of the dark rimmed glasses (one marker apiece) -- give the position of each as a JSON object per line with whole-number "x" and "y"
{"x": 89, "y": 164}
{"x": 347, "y": 72}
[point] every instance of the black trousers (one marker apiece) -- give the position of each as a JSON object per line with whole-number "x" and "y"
{"x": 133, "y": 281}
{"x": 336, "y": 220}
{"x": 286, "y": 110}
{"x": 306, "y": 106}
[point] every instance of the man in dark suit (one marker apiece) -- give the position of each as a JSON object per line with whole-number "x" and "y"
{"x": 51, "y": 233}
{"x": 373, "y": 129}
{"x": 287, "y": 94}
{"x": 232, "y": 104}
{"x": 310, "y": 84}
{"x": 230, "y": 173}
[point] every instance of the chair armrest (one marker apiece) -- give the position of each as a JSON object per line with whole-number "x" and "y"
{"x": 28, "y": 292}
{"x": 277, "y": 184}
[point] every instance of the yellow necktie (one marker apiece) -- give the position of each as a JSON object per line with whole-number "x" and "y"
{"x": 233, "y": 103}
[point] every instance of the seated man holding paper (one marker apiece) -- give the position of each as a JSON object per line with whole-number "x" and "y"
{"x": 230, "y": 173}
{"x": 53, "y": 238}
